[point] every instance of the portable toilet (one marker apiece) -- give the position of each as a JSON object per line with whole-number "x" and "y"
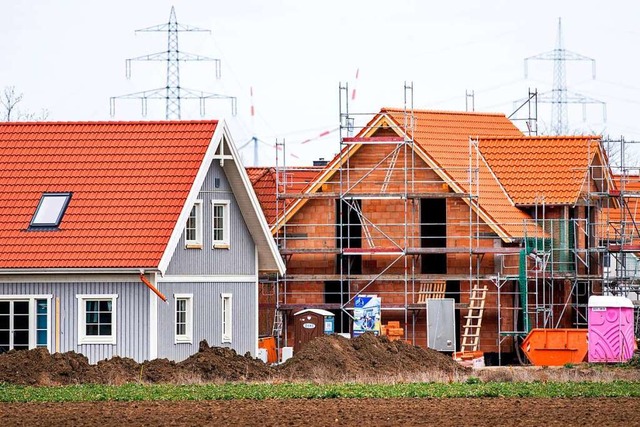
{"x": 610, "y": 335}
{"x": 311, "y": 323}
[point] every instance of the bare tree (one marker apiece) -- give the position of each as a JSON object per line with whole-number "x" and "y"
{"x": 10, "y": 99}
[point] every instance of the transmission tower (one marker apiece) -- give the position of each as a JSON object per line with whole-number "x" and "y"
{"x": 560, "y": 97}
{"x": 173, "y": 93}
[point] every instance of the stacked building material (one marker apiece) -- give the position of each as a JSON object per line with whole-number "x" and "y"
{"x": 393, "y": 330}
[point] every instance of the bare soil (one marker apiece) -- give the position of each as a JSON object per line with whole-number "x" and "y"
{"x": 330, "y": 412}
{"x": 327, "y": 359}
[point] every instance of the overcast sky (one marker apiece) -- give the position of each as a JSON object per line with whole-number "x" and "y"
{"x": 68, "y": 56}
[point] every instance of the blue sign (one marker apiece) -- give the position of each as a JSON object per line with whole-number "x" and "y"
{"x": 366, "y": 315}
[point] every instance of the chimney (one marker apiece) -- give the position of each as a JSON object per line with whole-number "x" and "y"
{"x": 320, "y": 162}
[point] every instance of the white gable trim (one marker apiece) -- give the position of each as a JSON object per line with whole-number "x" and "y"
{"x": 191, "y": 198}
{"x": 264, "y": 236}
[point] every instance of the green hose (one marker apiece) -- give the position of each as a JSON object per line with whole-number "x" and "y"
{"x": 524, "y": 296}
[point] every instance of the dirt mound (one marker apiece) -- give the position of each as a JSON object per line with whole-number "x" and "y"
{"x": 209, "y": 364}
{"x": 367, "y": 357}
{"x": 325, "y": 359}
{"x": 224, "y": 364}
{"x": 38, "y": 367}
{"x": 117, "y": 370}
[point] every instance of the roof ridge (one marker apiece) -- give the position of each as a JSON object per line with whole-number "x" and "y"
{"x": 448, "y": 112}
{"x": 109, "y": 122}
{"x": 540, "y": 137}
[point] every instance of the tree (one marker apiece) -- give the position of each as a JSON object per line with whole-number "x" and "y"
{"x": 10, "y": 99}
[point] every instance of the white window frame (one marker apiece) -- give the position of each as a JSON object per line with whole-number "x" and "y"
{"x": 83, "y": 338}
{"x": 226, "y": 311}
{"x": 197, "y": 243}
{"x": 33, "y": 329}
{"x": 187, "y": 337}
{"x": 226, "y": 224}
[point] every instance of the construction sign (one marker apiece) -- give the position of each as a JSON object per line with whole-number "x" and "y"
{"x": 366, "y": 315}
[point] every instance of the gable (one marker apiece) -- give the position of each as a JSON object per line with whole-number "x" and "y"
{"x": 443, "y": 141}
{"x": 223, "y": 151}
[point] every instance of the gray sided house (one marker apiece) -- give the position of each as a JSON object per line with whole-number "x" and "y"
{"x": 131, "y": 239}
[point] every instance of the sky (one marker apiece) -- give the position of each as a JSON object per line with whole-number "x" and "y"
{"x": 68, "y": 57}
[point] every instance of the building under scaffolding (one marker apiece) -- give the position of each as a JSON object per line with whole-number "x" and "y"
{"x": 424, "y": 206}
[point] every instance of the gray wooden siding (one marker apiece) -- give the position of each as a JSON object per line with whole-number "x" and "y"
{"x": 132, "y": 316}
{"x": 207, "y": 318}
{"x": 239, "y": 259}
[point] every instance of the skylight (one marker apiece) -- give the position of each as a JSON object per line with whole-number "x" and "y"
{"x": 50, "y": 210}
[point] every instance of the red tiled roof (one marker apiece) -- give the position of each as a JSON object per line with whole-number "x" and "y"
{"x": 622, "y": 218}
{"x": 263, "y": 180}
{"x": 129, "y": 180}
{"x": 543, "y": 169}
{"x": 444, "y": 137}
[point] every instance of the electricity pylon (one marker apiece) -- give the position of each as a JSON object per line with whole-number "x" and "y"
{"x": 173, "y": 93}
{"x": 560, "y": 97}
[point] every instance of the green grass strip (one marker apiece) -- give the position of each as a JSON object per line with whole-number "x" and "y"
{"x": 138, "y": 392}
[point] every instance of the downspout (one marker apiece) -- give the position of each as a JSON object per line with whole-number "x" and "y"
{"x": 153, "y": 288}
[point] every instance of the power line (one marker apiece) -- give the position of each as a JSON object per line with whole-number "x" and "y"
{"x": 560, "y": 96}
{"x": 173, "y": 93}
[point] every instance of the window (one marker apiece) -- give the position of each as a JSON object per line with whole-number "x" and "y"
{"x": 24, "y": 322}
{"x": 14, "y": 325}
{"x": 97, "y": 319}
{"x": 50, "y": 210}
{"x": 42, "y": 323}
{"x": 193, "y": 229}
{"x": 220, "y": 223}
{"x": 226, "y": 317}
{"x": 184, "y": 317}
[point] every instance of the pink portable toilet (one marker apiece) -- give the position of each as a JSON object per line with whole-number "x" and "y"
{"x": 610, "y": 335}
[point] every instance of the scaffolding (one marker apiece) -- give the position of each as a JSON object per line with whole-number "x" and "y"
{"x": 346, "y": 246}
{"x": 619, "y": 233}
{"x": 369, "y": 251}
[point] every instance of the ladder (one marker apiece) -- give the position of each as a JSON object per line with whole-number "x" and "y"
{"x": 473, "y": 319}
{"x": 277, "y": 324}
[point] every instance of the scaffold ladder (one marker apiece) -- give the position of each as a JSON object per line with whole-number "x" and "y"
{"x": 277, "y": 324}
{"x": 473, "y": 319}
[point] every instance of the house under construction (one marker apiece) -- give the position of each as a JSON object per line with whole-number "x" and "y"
{"x": 419, "y": 206}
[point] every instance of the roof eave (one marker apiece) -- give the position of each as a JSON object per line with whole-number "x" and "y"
{"x": 83, "y": 270}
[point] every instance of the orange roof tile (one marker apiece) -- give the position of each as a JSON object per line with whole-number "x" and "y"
{"x": 542, "y": 169}
{"x": 294, "y": 180}
{"x": 444, "y": 138}
{"x": 129, "y": 181}
{"x": 622, "y": 218}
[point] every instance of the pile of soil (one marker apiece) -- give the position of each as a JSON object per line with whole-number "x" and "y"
{"x": 368, "y": 357}
{"x": 329, "y": 358}
{"x": 209, "y": 364}
{"x": 38, "y": 367}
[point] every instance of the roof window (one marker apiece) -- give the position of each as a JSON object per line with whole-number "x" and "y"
{"x": 50, "y": 210}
